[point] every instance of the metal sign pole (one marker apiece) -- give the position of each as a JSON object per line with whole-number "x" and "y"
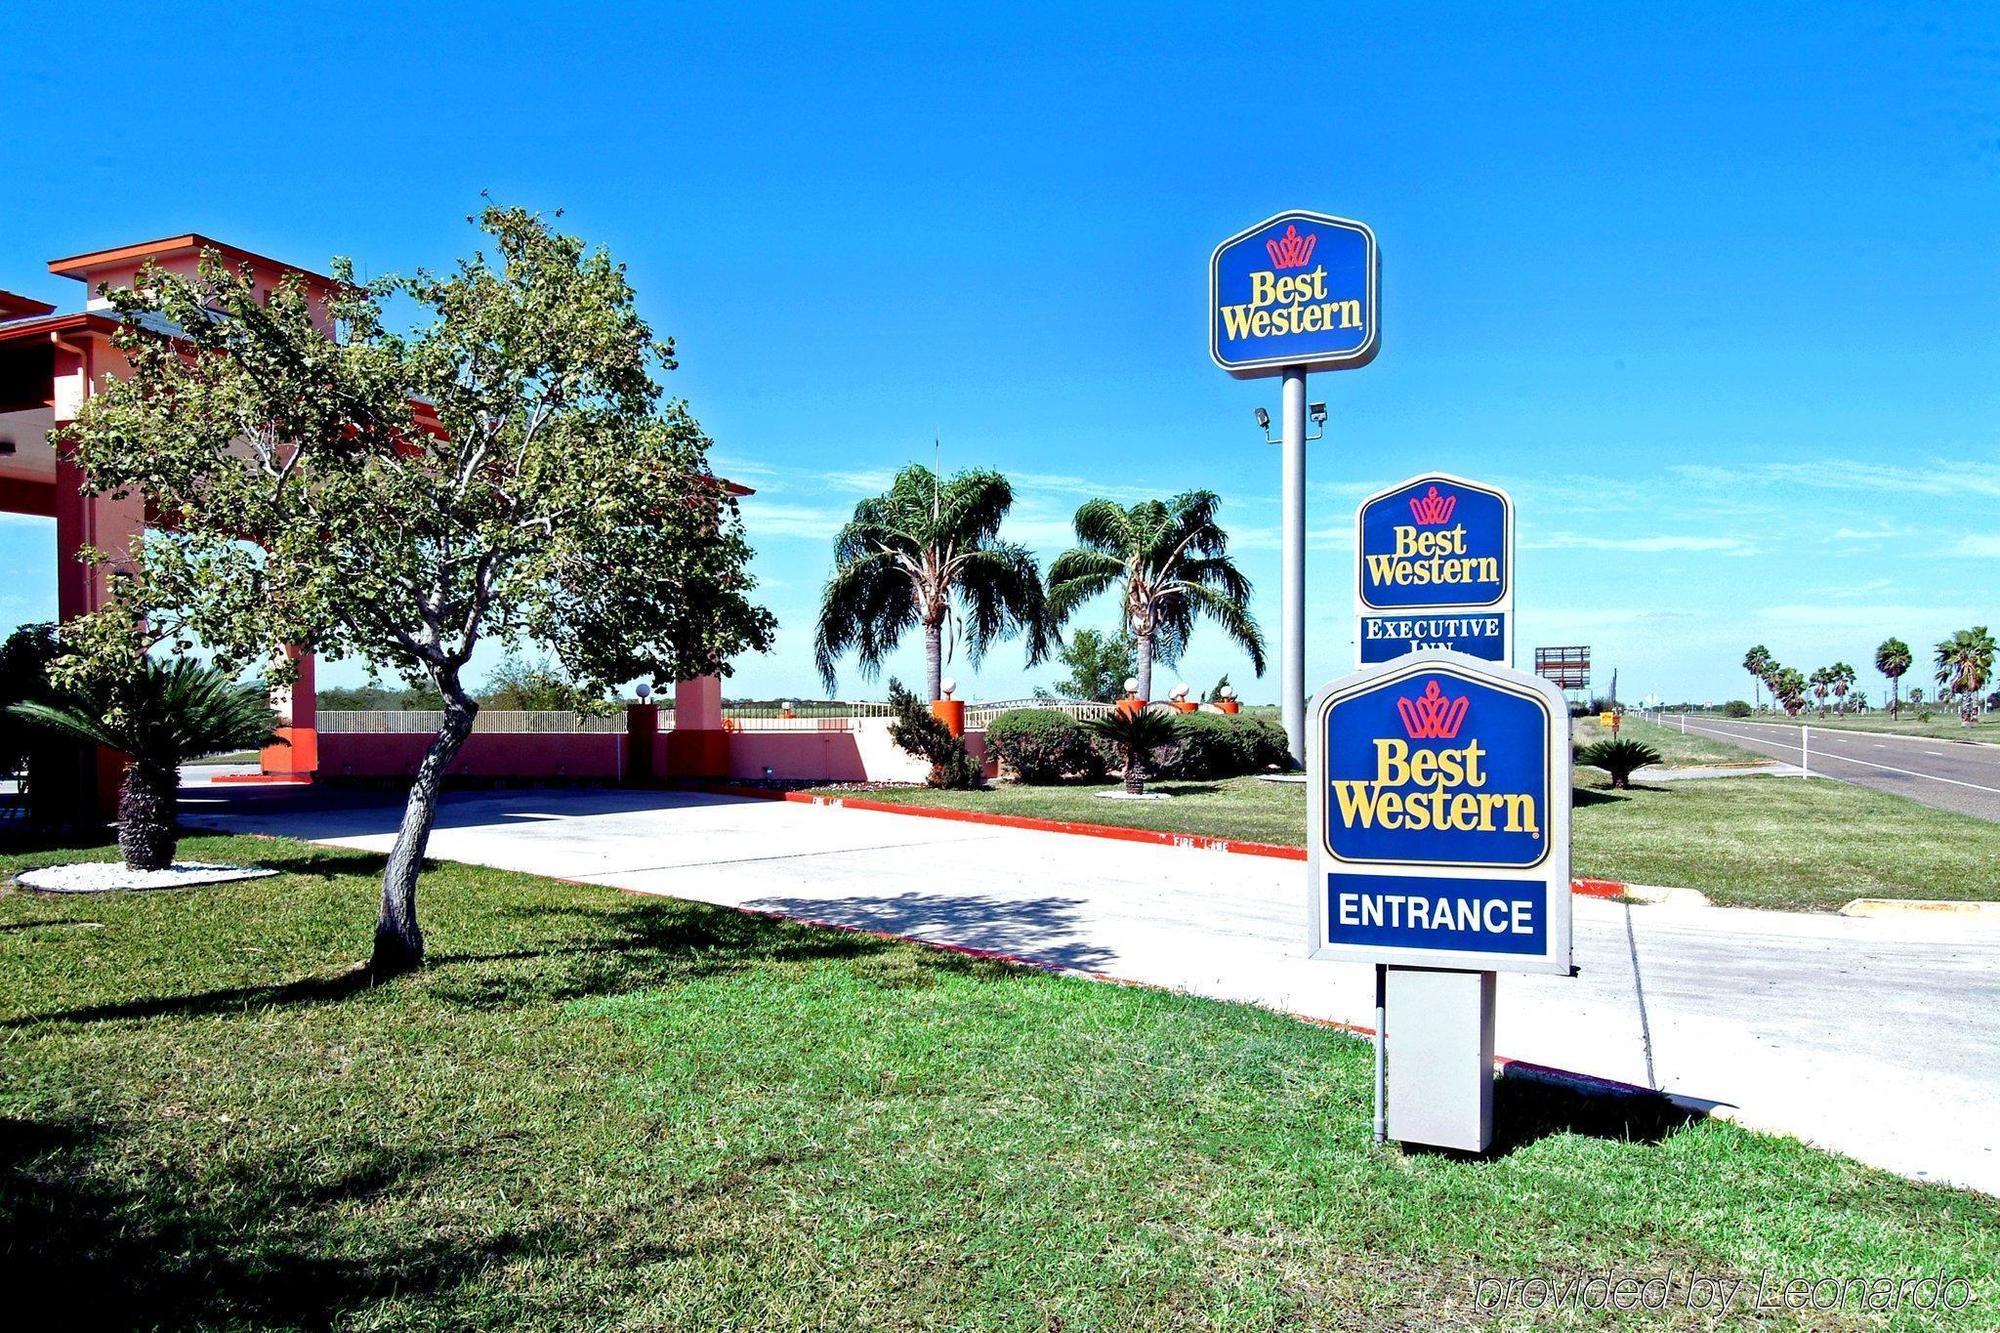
{"x": 1381, "y": 1038}
{"x": 1292, "y": 672}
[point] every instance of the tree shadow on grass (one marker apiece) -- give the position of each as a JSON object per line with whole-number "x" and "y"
{"x": 270, "y": 1241}
{"x": 620, "y": 948}
{"x": 1042, "y": 930}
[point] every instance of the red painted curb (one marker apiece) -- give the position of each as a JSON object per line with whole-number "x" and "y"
{"x": 1156, "y": 837}
{"x": 1200, "y": 842}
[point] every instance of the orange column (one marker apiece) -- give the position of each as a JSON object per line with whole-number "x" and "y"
{"x": 951, "y": 712}
{"x": 642, "y": 724}
{"x": 108, "y": 524}
{"x": 698, "y": 746}
{"x": 298, "y": 724}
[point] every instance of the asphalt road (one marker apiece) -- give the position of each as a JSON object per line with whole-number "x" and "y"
{"x": 1950, "y": 775}
{"x": 1871, "y": 1037}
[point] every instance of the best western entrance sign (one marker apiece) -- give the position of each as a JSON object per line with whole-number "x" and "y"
{"x": 1296, "y": 291}
{"x": 1434, "y": 568}
{"x": 1439, "y": 814}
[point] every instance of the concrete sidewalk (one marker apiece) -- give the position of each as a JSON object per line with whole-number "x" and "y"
{"x": 1871, "y": 1037}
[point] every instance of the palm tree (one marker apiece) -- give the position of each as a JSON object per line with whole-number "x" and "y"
{"x": 927, "y": 552}
{"x": 1137, "y": 734}
{"x": 1821, "y": 678}
{"x": 1788, "y": 687}
{"x": 1892, "y": 659}
{"x": 1841, "y": 677}
{"x": 1170, "y": 562}
{"x": 160, "y": 717}
{"x": 1758, "y": 662}
{"x": 1964, "y": 664}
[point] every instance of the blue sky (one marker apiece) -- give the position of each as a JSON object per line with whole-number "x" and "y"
{"x": 1711, "y": 292}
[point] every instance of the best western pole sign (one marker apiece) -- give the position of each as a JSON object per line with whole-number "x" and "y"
{"x": 1438, "y": 817}
{"x": 1294, "y": 292}
{"x": 1434, "y": 568}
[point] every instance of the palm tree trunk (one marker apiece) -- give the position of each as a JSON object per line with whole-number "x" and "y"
{"x": 1895, "y": 699}
{"x": 399, "y": 941}
{"x": 1135, "y": 771}
{"x": 934, "y": 659}
{"x": 146, "y": 835}
{"x": 1144, "y": 648}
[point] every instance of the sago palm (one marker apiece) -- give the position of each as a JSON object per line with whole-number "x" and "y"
{"x": 161, "y": 717}
{"x": 1137, "y": 734}
{"x": 928, "y": 553}
{"x": 1169, "y": 563}
{"x": 1964, "y": 665}
{"x": 1892, "y": 659}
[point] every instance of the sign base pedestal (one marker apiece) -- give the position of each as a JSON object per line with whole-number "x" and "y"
{"x": 1439, "y": 1029}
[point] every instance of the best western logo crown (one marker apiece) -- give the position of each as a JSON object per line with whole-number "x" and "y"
{"x": 1433, "y": 509}
{"x": 1292, "y": 250}
{"x": 1431, "y": 716}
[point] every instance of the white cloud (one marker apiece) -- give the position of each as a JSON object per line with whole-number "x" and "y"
{"x": 1979, "y": 544}
{"x": 1840, "y": 474}
{"x": 1558, "y": 541}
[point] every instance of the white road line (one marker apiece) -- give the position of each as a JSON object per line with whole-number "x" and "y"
{"x": 1841, "y": 758}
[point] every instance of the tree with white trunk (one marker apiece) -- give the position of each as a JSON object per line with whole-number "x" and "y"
{"x": 501, "y": 467}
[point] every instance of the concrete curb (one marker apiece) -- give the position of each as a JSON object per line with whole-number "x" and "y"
{"x": 1200, "y": 842}
{"x": 1659, "y": 895}
{"x": 1894, "y": 907}
{"x": 1157, "y": 837}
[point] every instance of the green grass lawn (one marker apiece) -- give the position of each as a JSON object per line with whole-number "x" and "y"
{"x": 1746, "y": 842}
{"x": 1677, "y": 750}
{"x": 595, "y": 1110}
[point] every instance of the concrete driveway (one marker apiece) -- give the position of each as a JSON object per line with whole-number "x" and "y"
{"x": 1872, "y": 1037}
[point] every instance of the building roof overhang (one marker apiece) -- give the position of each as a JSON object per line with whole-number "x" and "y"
{"x": 81, "y": 266}
{"x": 42, "y": 326}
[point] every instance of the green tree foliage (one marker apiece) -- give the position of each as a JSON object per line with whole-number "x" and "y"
{"x": 1788, "y": 687}
{"x": 160, "y": 716}
{"x": 1620, "y": 758}
{"x": 1169, "y": 563}
{"x": 537, "y": 685}
{"x": 25, "y": 659}
{"x": 927, "y": 552}
{"x": 1099, "y": 665}
{"x": 917, "y": 731}
{"x": 1136, "y": 734}
{"x": 1892, "y": 659}
{"x": 1964, "y": 665}
{"x": 379, "y": 699}
{"x": 1737, "y": 708}
{"x": 1760, "y": 664}
{"x": 502, "y": 468}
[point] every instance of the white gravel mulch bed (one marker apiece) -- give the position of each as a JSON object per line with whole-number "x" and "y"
{"x": 112, "y": 876}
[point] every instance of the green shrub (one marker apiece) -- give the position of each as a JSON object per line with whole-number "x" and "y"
{"x": 919, "y": 733}
{"x": 1043, "y": 745}
{"x": 1736, "y": 708}
{"x": 1222, "y": 745}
